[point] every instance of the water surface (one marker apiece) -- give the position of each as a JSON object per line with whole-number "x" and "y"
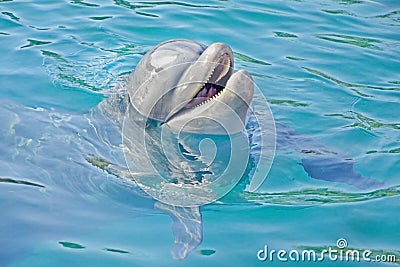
{"x": 330, "y": 70}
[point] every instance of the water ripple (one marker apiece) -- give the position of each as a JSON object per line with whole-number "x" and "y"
{"x": 176, "y": 3}
{"x": 292, "y": 103}
{"x": 365, "y": 122}
{"x": 114, "y": 250}
{"x": 154, "y": 4}
{"x": 394, "y": 82}
{"x": 349, "y": 2}
{"x": 351, "y": 40}
{"x": 100, "y": 18}
{"x": 129, "y": 49}
{"x": 339, "y": 12}
{"x": 394, "y": 15}
{"x": 40, "y": 29}
{"x": 351, "y": 86}
{"x": 391, "y": 151}
{"x": 295, "y": 58}
{"x": 32, "y": 42}
{"x": 206, "y": 252}
{"x": 71, "y": 245}
{"x": 248, "y": 59}
{"x": 129, "y": 5}
{"x": 93, "y": 76}
{"x": 83, "y": 3}
{"x": 319, "y": 196}
{"x": 285, "y": 35}
{"x": 11, "y": 16}
{"x": 20, "y": 182}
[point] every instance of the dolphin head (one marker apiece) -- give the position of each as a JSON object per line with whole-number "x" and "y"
{"x": 189, "y": 86}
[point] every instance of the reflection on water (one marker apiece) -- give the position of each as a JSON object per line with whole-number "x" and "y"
{"x": 364, "y": 122}
{"x": 352, "y": 40}
{"x": 350, "y": 85}
{"x": 20, "y": 182}
{"x": 319, "y": 196}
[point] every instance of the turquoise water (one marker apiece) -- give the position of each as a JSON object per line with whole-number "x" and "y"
{"x": 330, "y": 69}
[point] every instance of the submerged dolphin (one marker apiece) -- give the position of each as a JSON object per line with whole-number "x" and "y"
{"x": 322, "y": 162}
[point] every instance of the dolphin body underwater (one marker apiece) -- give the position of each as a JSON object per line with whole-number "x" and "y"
{"x": 179, "y": 81}
{"x": 186, "y": 116}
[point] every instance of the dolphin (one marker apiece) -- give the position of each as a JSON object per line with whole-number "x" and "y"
{"x": 179, "y": 93}
{"x": 184, "y": 86}
{"x": 181, "y": 79}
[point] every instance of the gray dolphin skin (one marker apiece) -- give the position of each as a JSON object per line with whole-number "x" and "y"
{"x": 180, "y": 79}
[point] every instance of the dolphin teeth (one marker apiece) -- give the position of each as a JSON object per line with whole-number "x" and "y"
{"x": 209, "y": 99}
{"x": 211, "y": 74}
{"x": 218, "y": 94}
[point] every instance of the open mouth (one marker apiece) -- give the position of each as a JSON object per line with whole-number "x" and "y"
{"x": 215, "y": 84}
{"x": 208, "y": 91}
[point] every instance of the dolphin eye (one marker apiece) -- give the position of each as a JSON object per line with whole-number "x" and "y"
{"x": 200, "y": 51}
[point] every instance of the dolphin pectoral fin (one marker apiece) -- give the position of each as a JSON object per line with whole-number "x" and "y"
{"x": 335, "y": 169}
{"x": 187, "y": 228}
